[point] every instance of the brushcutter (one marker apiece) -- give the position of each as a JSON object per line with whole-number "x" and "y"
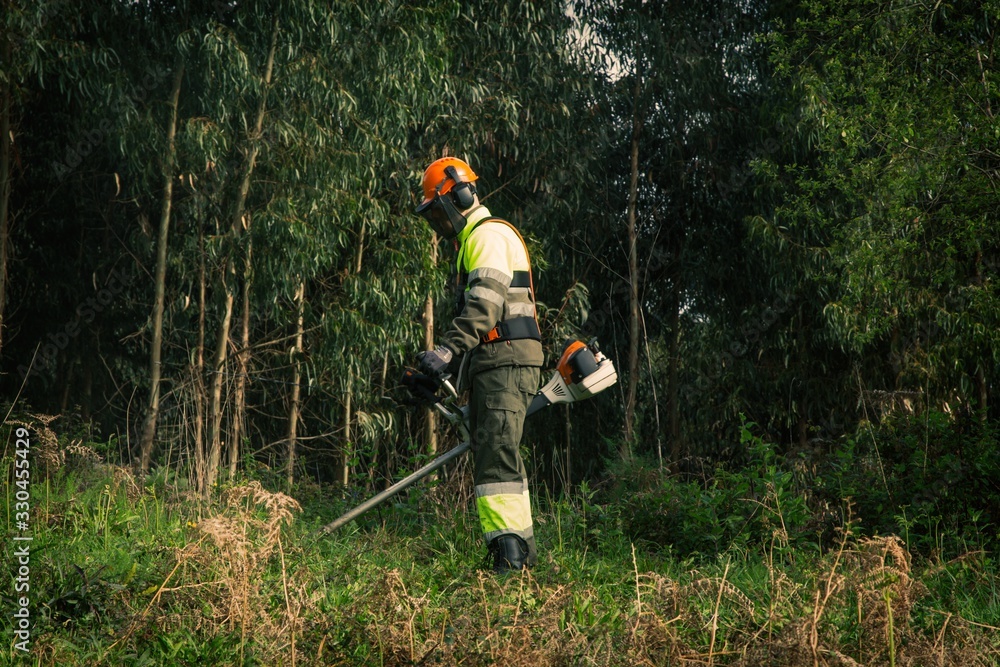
{"x": 582, "y": 372}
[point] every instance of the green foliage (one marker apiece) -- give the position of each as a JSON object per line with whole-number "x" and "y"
{"x": 749, "y": 507}
{"x": 888, "y": 214}
{"x": 930, "y": 478}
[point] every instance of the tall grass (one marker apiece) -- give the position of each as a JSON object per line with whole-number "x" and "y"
{"x": 147, "y": 574}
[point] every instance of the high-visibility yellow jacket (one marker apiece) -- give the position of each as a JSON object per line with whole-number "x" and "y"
{"x": 495, "y": 281}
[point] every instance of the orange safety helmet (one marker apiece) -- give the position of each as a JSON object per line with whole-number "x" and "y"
{"x": 437, "y": 180}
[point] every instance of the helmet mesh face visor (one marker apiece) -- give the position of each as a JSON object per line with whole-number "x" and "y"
{"x": 438, "y": 219}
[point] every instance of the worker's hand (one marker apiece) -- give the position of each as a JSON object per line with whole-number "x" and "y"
{"x": 421, "y": 387}
{"x": 435, "y": 362}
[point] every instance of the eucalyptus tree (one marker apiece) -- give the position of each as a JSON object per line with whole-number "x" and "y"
{"x": 317, "y": 188}
{"x": 681, "y": 90}
{"x": 250, "y": 147}
{"x": 111, "y": 158}
{"x": 236, "y": 55}
{"x": 158, "y": 31}
{"x": 365, "y": 269}
{"x": 87, "y": 97}
{"x": 149, "y": 44}
{"x": 898, "y": 103}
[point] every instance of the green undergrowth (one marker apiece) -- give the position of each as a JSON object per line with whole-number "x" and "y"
{"x": 129, "y": 572}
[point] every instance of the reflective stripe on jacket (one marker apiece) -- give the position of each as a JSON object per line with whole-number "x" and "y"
{"x": 492, "y": 254}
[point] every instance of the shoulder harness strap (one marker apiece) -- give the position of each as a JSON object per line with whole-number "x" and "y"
{"x": 515, "y": 328}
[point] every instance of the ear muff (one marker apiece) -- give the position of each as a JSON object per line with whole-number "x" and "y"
{"x": 463, "y": 192}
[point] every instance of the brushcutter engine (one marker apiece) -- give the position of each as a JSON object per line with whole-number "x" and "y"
{"x": 582, "y": 372}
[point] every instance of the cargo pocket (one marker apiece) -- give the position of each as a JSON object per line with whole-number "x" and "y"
{"x": 502, "y": 390}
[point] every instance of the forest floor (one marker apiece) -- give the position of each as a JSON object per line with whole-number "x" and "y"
{"x": 124, "y": 572}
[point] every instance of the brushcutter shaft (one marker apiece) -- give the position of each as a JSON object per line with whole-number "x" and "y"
{"x": 404, "y": 483}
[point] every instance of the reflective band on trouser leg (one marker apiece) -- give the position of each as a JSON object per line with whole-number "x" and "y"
{"x": 504, "y": 507}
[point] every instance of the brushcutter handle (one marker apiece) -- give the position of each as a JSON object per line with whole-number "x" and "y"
{"x": 446, "y": 383}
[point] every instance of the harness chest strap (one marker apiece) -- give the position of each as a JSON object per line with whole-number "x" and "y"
{"x": 515, "y": 328}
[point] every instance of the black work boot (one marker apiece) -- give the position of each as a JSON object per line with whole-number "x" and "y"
{"x": 510, "y": 552}
{"x": 532, "y": 552}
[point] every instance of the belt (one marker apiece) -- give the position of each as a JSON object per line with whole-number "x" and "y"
{"x": 516, "y": 328}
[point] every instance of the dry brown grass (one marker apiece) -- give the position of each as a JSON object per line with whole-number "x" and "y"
{"x": 45, "y": 442}
{"x": 223, "y": 573}
{"x": 241, "y": 540}
{"x": 870, "y": 580}
{"x": 709, "y": 620}
{"x": 514, "y": 622}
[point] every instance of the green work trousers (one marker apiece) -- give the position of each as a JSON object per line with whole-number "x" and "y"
{"x": 498, "y": 406}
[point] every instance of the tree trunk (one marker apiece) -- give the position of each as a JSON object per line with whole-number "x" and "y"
{"x": 198, "y": 376}
{"x": 802, "y": 422}
{"x": 67, "y": 385}
{"x": 673, "y": 365}
{"x": 153, "y": 411}
{"x": 6, "y": 107}
{"x": 981, "y": 384}
{"x": 652, "y": 389}
{"x": 294, "y": 403}
{"x": 215, "y": 399}
{"x": 235, "y": 233}
{"x": 430, "y": 432}
{"x": 359, "y": 253}
{"x": 983, "y": 387}
{"x": 633, "y": 275}
{"x": 344, "y": 468}
{"x": 242, "y": 368}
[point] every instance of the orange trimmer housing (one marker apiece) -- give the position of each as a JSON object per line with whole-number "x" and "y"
{"x": 577, "y": 362}
{"x": 582, "y": 372}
